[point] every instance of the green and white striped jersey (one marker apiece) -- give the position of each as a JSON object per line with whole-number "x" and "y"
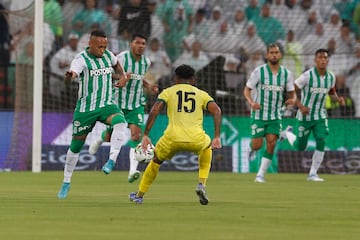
{"x": 95, "y": 80}
{"x": 268, "y": 90}
{"x": 314, "y": 89}
{"x": 132, "y": 96}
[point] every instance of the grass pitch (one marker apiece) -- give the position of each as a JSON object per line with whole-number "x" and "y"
{"x": 286, "y": 207}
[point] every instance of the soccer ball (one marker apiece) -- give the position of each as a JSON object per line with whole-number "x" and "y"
{"x": 144, "y": 156}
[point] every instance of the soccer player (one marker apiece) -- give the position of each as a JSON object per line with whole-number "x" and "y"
{"x": 314, "y": 85}
{"x": 185, "y": 105}
{"x": 264, "y": 91}
{"x": 93, "y": 67}
{"x": 131, "y": 100}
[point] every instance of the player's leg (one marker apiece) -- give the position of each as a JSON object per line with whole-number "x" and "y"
{"x": 118, "y": 137}
{"x": 162, "y": 152}
{"x": 104, "y": 137}
{"x": 257, "y": 135}
{"x": 205, "y": 157}
{"x": 135, "y": 120}
{"x": 272, "y": 131}
{"x": 82, "y": 125}
{"x": 320, "y": 131}
{"x": 135, "y": 133}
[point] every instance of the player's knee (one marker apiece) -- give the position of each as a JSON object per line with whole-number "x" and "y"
{"x": 117, "y": 119}
{"x": 76, "y": 145}
{"x": 320, "y": 144}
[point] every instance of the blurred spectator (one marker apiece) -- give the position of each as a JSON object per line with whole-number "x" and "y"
{"x": 353, "y": 67}
{"x": 160, "y": 62}
{"x": 252, "y": 10}
{"x": 310, "y": 24}
{"x": 216, "y": 19}
{"x": 250, "y": 42}
{"x": 196, "y": 58}
{"x": 315, "y": 40}
{"x": 254, "y": 60}
{"x": 114, "y": 14}
{"x": 135, "y": 18}
{"x": 157, "y": 28}
{"x": 293, "y": 57}
{"x": 333, "y": 25}
{"x": 269, "y": 29}
{"x": 89, "y": 15}
{"x": 60, "y": 63}
{"x": 220, "y": 42}
{"x": 345, "y": 40}
{"x": 177, "y": 20}
{"x": 239, "y": 22}
{"x": 201, "y": 29}
{"x": 53, "y": 15}
{"x": 70, "y": 8}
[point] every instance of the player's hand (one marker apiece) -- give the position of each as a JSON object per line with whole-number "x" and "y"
{"x": 123, "y": 80}
{"x": 255, "y": 106}
{"x": 341, "y": 100}
{"x": 216, "y": 143}
{"x": 304, "y": 110}
{"x": 290, "y": 102}
{"x": 69, "y": 76}
{"x": 154, "y": 89}
{"x": 145, "y": 142}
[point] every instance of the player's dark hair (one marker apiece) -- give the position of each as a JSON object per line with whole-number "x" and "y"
{"x": 139, "y": 35}
{"x": 321, "y": 50}
{"x": 98, "y": 33}
{"x": 272, "y": 45}
{"x": 185, "y": 71}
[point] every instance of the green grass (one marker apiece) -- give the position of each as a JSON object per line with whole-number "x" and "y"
{"x": 286, "y": 207}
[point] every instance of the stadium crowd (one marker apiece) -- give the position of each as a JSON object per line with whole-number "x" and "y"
{"x": 213, "y": 36}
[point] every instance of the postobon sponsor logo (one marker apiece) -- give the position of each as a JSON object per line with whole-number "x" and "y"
{"x": 135, "y": 76}
{"x": 272, "y": 88}
{"x": 319, "y": 90}
{"x": 101, "y": 71}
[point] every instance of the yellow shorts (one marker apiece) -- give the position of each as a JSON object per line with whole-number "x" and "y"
{"x": 165, "y": 148}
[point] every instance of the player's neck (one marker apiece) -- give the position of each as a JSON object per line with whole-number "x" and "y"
{"x": 322, "y": 72}
{"x": 274, "y": 68}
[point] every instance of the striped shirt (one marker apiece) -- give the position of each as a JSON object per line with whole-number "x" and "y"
{"x": 131, "y": 96}
{"x": 95, "y": 80}
{"x": 269, "y": 91}
{"x": 314, "y": 89}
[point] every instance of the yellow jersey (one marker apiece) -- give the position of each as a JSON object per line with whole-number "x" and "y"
{"x": 185, "y": 110}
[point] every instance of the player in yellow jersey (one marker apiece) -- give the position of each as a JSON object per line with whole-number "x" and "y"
{"x": 185, "y": 105}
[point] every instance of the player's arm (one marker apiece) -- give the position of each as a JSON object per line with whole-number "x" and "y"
{"x": 215, "y": 110}
{"x": 291, "y": 98}
{"x": 121, "y": 75}
{"x": 303, "y": 109}
{"x": 154, "y": 112}
{"x": 152, "y": 89}
{"x": 247, "y": 95}
{"x": 333, "y": 95}
{"x": 69, "y": 76}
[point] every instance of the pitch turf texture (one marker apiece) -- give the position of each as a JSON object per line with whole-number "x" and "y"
{"x": 286, "y": 207}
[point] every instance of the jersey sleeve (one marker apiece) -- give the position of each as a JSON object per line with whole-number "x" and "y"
{"x": 114, "y": 60}
{"x": 206, "y": 99}
{"x": 290, "y": 82}
{"x": 253, "y": 79}
{"x": 302, "y": 80}
{"x": 121, "y": 58}
{"x": 77, "y": 64}
{"x": 163, "y": 96}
